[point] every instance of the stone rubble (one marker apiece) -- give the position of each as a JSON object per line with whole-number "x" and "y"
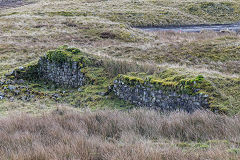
{"x": 11, "y": 90}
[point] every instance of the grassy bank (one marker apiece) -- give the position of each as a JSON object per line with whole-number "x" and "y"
{"x": 103, "y": 28}
{"x": 143, "y": 12}
{"x": 90, "y": 123}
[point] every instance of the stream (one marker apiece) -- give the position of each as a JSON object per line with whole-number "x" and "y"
{"x": 195, "y": 28}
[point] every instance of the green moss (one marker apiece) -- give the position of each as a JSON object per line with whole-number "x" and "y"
{"x": 217, "y": 12}
{"x": 65, "y": 54}
{"x": 29, "y": 71}
{"x": 90, "y": 95}
{"x": 183, "y": 145}
{"x": 131, "y": 80}
{"x": 214, "y": 88}
{"x": 226, "y": 97}
{"x": 190, "y": 86}
{"x": 234, "y": 150}
{"x": 216, "y": 142}
{"x": 201, "y": 145}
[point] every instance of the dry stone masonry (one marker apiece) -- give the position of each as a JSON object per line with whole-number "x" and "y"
{"x": 146, "y": 94}
{"x": 66, "y": 74}
{"x": 62, "y": 66}
{"x": 67, "y": 67}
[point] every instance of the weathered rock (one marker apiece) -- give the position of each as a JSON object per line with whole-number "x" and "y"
{"x": 66, "y": 74}
{"x": 20, "y": 81}
{"x": 9, "y": 74}
{"x": 101, "y": 93}
{"x": 11, "y": 87}
{"x": 21, "y": 68}
{"x": 164, "y": 100}
{"x": 11, "y": 99}
{"x": 2, "y": 94}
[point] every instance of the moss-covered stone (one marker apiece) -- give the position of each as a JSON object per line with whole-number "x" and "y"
{"x": 182, "y": 85}
{"x": 29, "y": 72}
{"x": 66, "y": 54}
{"x": 190, "y": 86}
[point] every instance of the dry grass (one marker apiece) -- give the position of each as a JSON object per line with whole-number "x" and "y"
{"x": 171, "y": 37}
{"x": 6, "y": 4}
{"x": 101, "y": 27}
{"x": 209, "y": 50}
{"x": 35, "y": 107}
{"x": 24, "y": 39}
{"x": 144, "y": 12}
{"x": 30, "y": 30}
{"x": 137, "y": 135}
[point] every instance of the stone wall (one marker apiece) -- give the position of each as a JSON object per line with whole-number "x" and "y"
{"x": 66, "y": 74}
{"x": 159, "y": 99}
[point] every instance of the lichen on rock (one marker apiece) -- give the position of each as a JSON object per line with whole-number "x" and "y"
{"x": 182, "y": 94}
{"x": 63, "y": 66}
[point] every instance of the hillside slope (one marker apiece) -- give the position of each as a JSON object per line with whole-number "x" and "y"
{"x": 104, "y": 28}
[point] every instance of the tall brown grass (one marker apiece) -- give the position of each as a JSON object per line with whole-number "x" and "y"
{"x": 116, "y": 66}
{"x": 113, "y": 135}
{"x": 187, "y": 37}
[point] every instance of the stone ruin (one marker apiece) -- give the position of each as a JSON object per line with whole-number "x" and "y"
{"x": 147, "y": 95}
{"x": 66, "y": 74}
{"x": 63, "y": 68}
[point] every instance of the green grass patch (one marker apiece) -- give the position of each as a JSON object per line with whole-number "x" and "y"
{"x": 215, "y": 12}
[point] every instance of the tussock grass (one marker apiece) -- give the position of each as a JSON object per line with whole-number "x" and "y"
{"x": 213, "y": 51}
{"x": 24, "y": 39}
{"x": 103, "y": 28}
{"x": 110, "y": 134}
{"x": 35, "y": 107}
{"x": 38, "y": 27}
{"x": 144, "y": 12}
